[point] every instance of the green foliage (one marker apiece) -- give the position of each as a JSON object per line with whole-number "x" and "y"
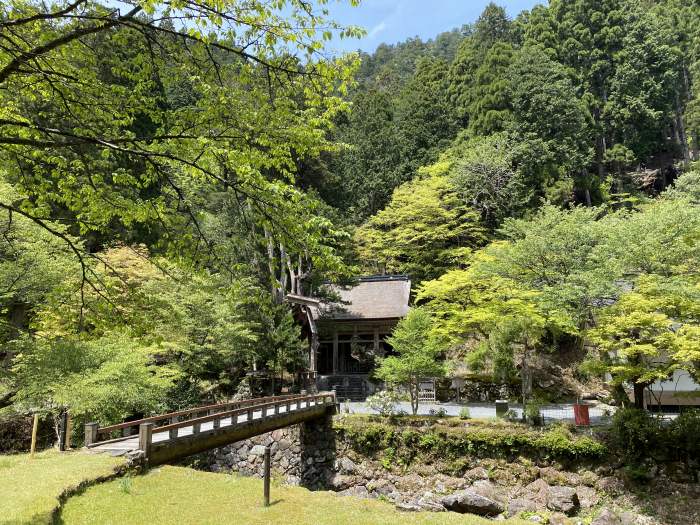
{"x": 551, "y": 125}
{"x": 649, "y": 332}
{"x": 426, "y": 121}
{"x": 410, "y": 439}
{"x": 638, "y": 438}
{"x": 490, "y": 109}
{"x": 533, "y": 412}
{"x": 683, "y": 434}
{"x": 417, "y": 355}
{"x": 687, "y": 185}
{"x": 484, "y": 174}
{"x": 464, "y": 413}
{"x": 554, "y": 272}
{"x": 635, "y": 434}
{"x": 422, "y": 232}
{"x": 106, "y": 379}
{"x": 383, "y": 402}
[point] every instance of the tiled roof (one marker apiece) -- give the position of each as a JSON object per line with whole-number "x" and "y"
{"x": 376, "y": 297}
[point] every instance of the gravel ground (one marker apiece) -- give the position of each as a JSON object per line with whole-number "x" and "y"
{"x": 559, "y": 412}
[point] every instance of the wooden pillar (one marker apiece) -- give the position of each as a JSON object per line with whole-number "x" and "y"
{"x": 376, "y": 340}
{"x": 146, "y": 438}
{"x": 266, "y": 478}
{"x": 90, "y": 433}
{"x": 35, "y": 428}
{"x": 335, "y": 351}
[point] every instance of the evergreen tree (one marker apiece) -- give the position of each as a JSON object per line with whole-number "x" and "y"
{"x": 368, "y": 167}
{"x": 426, "y": 121}
{"x": 490, "y": 107}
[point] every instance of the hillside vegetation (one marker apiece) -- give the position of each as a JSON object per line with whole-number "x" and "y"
{"x": 164, "y": 186}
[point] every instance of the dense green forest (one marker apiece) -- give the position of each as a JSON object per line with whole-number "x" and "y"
{"x": 170, "y": 171}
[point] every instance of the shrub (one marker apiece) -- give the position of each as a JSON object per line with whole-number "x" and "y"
{"x": 684, "y": 437}
{"x": 384, "y": 403}
{"x": 440, "y": 412}
{"x": 532, "y": 412}
{"x": 464, "y": 413}
{"x": 481, "y": 439}
{"x": 511, "y": 415}
{"x": 635, "y": 434}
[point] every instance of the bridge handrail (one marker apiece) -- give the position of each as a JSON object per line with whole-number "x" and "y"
{"x": 170, "y": 415}
{"x": 245, "y": 410}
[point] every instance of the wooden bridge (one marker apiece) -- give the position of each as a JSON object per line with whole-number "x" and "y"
{"x": 173, "y": 436}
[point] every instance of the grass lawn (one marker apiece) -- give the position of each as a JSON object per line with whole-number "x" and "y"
{"x": 181, "y": 495}
{"x": 29, "y": 488}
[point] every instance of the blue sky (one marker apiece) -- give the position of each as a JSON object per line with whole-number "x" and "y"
{"x": 392, "y": 21}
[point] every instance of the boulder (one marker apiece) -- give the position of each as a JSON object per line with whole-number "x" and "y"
{"x": 431, "y": 502}
{"x": 610, "y": 484}
{"x": 358, "y": 491}
{"x": 587, "y": 496}
{"x": 380, "y": 487}
{"x": 630, "y": 518}
{"x": 408, "y": 507}
{"x": 340, "y": 482}
{"x": 563, "y": 499}
{"x": 538, "y": 492}
{"x": 518, "y": 505}
{"x": 606, "y": 517}
{"x": 347, "y": 466}
{"x": 469, "y": 501}
{"x": 476, "y": 473}
{"x": 257, "y": 450}
{"x": 557, "y": 518}
{"x": 488, "y": 490}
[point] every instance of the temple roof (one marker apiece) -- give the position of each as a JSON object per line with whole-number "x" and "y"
{"x": 375, "y": 297}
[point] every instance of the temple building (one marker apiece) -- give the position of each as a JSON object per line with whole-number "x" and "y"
{"x": 348, "y": 332}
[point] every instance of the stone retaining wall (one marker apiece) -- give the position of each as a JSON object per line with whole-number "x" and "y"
{"x": 311, "y": 455}
{"x": 301, "y": 454}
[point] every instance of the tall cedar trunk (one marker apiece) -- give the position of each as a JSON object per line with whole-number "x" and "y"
{"x": 682, "y": 138}
{"x": 696, "y": 146}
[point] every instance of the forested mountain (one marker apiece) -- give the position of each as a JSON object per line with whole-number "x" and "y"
{"x": 589, "y": 94}
{"x": 164, "y": 186}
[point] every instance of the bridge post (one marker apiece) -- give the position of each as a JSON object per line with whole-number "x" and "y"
{"x": 266, "y": 477}
{"x": 145, "y": 438}
{"x": 90, "y": 433}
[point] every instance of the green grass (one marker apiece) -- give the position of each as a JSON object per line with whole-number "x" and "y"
{"x": 29, "y": 488}
{"x": 181, "y": 495}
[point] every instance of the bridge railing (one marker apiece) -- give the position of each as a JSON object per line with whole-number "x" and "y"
{"x": 268, "y": 407}
{"x": 94, "y": 433}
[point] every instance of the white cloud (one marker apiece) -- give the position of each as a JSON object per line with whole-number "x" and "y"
{"x": 381, "y": 26}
